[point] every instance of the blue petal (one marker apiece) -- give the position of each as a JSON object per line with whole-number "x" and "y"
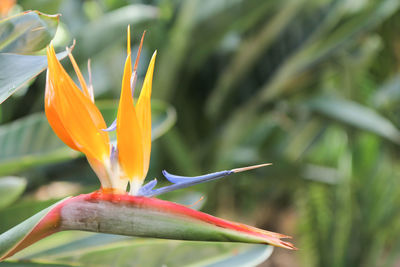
{"x": 176, "y": 179}
{"x": 183, "y": 182}
{"x": 112, "y": 127}
{"x": 147, "y": 188}
{"x": 114, "y": 154}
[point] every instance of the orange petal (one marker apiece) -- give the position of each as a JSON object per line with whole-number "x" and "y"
{"x": 53, "y": 117}
{"x": 143, "y": 110}
{"x": 129, "y": 137}
{"x": 80, "y": 77}
{"x": 72, "y": 115}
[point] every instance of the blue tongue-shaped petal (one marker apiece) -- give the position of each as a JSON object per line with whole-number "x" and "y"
{"x": 185, "y": 181}
{"x": 112, "y": 127}
{"x": 176, "y": 179}
{"x": 147, "y": 188}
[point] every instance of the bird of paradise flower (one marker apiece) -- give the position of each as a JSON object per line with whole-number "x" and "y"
{"x": 75, "y": 119}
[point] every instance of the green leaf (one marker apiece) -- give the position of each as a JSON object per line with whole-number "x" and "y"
{"x": 176, "y": 49}
{"x": 102, "y": 249}
{"x": 46, "y": 6}
{"x": 388, "y": 95}
{"x": 12, "y": 238}
{"x": 248, "y": 54}
{"x": 30, "y": 141}
{"x": 243, "y": 256}
{"x": 70, "y": 243}
{"x": 99, "y": 34}
{"x": 22, "y": 210}
{"x": 355, "y": 115}
{"x": 24, "y": 33}
{"x": 10, "y": 189}
{"x": 31, "y": 264}
{"x": 27, "y": 32}
{"x": 150, "y": 252}
{"x": 16, "y": 70}
{"x": 330, "y": 36}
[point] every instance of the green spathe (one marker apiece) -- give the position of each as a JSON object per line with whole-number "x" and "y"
{"x": 131, "y": 216}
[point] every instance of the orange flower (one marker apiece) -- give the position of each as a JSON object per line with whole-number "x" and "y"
{"x": 77, "y": 121}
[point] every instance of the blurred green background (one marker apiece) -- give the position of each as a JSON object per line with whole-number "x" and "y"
{"x": 312, "y": 86}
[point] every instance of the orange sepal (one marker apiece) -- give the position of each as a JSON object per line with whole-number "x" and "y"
{"x": 143, "y": 110}
{"x": 72, "y": 115}
{"x": 52, "y": 116}
{"x": 129, "y": 137}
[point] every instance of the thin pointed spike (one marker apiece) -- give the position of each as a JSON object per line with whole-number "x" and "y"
{"x": 128, "y": 40}
{"x": 90, "y": 86}
{"x": 195, "y": 203}
{"x": 250, "y": 167}
{"x": 84, "y": 86}
{"x": 139, "y": 51}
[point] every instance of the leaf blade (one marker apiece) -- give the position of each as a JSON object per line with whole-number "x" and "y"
{"x": 355, "y": 115}
{"x": 11, "y": 188}
{"x": 17, "y": 70}
{"x": 11, "y": 241}
{"x": 27, "y": 32}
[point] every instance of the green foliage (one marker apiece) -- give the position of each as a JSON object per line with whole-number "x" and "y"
{"x": 11, "y": 238}
{"x": 365, "y": 198}
{"x": 27, "y": 32}
{"x": 17, "y": 70}
{"x": 355, "y": 115}
{"x": 100, "y": 34}
{"x": 102, "y": 250}
{"x": 11, "y": 188}
{"x": 174, "y": 254}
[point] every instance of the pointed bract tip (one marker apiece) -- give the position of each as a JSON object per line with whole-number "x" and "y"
{"x": 139, "y": 51}
{"x": 288, "y": 245}
{"x": 128, "y": 40}
{"x": 68, "y": 48}
{"x": 250, "y": 167}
